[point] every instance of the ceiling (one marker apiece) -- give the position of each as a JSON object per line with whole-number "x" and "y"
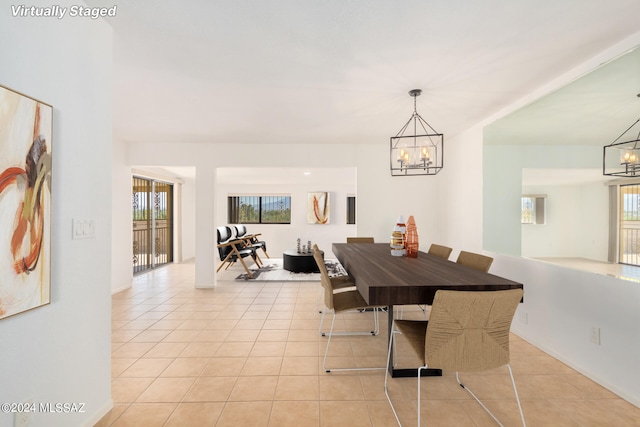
{"x": 592, "y": 110}
{"x": 338, "y": 71}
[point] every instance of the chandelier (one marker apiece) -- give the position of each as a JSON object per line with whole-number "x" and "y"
{"x": 416, "y": 154}
{"x": 622, "y": 158}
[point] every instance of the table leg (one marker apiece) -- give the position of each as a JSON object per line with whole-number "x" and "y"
{"x": 390, "y": 321}
{"x": 410, "y": 372}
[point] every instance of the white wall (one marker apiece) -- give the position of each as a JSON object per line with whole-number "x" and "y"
{"x": 577, "y": 221}
{"x": 188, "y": 219}
{"x": 121, "y": 246}
{"x": 62, "y": 352}
{"x": 595, "y": 230}
{"x": 461, "y": 212}
{"x": 502, "y": 175}
{"x": 382, "y": 198}
{"x": 561, "y": 305}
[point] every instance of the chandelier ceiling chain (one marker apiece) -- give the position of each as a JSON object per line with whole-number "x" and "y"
{"x": 417, "y": 154}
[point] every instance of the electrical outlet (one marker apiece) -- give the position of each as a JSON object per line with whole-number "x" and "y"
{"x": 595, "y": 335}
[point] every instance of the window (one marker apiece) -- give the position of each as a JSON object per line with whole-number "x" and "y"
{"x": 351, "y": 209}
{"x": 533, "y": 209}
{"x": 259, "y": 209}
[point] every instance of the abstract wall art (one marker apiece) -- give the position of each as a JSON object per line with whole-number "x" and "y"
{"x": 318, "y": 208}
{"x": 25, "y": 202}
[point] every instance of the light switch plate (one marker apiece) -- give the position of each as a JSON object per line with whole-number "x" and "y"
{"x": 83, "y": 229}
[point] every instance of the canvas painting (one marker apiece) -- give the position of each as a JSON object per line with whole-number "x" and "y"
{"x": 318, "y": 208}
{"x": 25, "y": 202}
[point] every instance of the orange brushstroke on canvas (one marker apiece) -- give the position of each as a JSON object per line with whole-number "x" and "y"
{"x": 317, "y": 213}
{"x": 10, "y": 176}
{"x": 29, "y": 220}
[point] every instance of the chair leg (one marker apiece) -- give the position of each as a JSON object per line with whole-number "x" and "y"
{"x": 419, "y": 376}
{"x": 422, "y": 307}
{"x": 326, "y": 352}
{"x": 376, "y": 321}
{"x": 226, "y": 261}
{"x": 424, "y": 310}
{"x": 320, "y": 301}
{"x": 257, "y": 259}
{"x": 483, "y": 405}
{"x": 376, "y": 327}
{"x": 515, "y": 390}
{"x": 246, "y": 268}
{"x": 321, "y": 323}
{"x": 386, "y": 377}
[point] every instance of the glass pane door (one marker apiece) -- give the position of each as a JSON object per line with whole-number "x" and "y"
{"x": 152, "y": 214}
{"x": 163, "y": 223}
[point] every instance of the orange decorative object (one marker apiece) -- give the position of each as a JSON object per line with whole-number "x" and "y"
{"x": 411, "y": 238}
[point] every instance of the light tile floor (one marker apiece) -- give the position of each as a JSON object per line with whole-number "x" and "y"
{"x": 249, "y": 354}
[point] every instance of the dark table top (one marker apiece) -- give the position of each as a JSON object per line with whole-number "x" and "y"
{"x": 387, "y": 280}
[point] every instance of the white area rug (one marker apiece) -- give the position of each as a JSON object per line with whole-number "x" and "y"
{"x": 272, "y": 271}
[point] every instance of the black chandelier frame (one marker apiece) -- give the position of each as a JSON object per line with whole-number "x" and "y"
{"x": 416, "y": 154}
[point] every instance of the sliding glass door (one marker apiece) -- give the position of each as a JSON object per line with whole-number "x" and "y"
{"x": 152, "y": 209}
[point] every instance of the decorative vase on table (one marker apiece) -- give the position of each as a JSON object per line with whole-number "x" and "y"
{"x": 397, "y": 238}
{"x": 411, "y": 238}
{"x": 397, "y": 242}
{"x": 402, "y": 227}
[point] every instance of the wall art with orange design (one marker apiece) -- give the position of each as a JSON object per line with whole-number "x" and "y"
{"x": 318, "y": 208}
{"x": 25, "y": 202}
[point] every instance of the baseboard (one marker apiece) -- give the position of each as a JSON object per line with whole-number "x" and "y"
{"x": 634, "y": 400}
{"x": 124, "y": 288}
{"x": 98, "y": 415}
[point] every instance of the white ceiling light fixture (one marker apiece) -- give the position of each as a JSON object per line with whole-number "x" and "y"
{"x": 420, "y": 153}
{"x": 623, "y": 158}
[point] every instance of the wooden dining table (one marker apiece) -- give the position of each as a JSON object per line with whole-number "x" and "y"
{"x": 383, "y": 279}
